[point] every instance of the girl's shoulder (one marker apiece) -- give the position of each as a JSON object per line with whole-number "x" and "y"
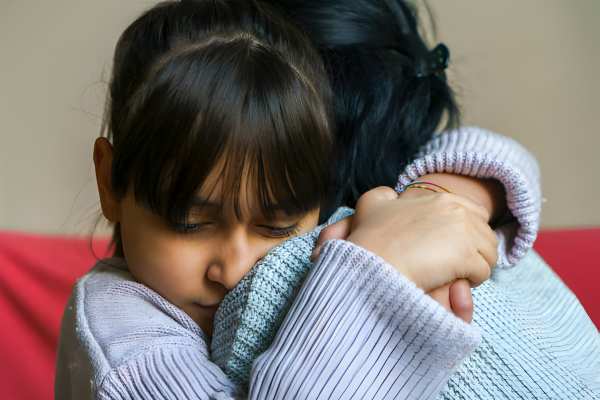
{"x": 121, "y": 318}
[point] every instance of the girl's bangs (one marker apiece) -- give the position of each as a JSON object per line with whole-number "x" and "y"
{"x": 232, "y": 106}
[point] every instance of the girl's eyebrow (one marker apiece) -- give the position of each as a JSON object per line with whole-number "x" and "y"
{"x": 201, "y": 202}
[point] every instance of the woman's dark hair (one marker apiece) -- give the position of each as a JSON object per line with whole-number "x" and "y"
{"x": 202, "y": 83}
{"x": 384, "y": 111}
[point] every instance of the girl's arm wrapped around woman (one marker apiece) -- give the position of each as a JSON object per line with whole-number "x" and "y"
{"x": 480, "y": 153}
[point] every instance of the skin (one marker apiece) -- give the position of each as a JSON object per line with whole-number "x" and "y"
{"x": 193, "y": 270}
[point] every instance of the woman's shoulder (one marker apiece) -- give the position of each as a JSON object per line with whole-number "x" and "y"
{"x": 122, "y": 318}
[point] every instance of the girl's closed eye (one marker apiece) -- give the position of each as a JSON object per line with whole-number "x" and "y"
{"x": 282, "y": 232}
{"x": 273, "y": 231}
{"x": 184, "y": 227}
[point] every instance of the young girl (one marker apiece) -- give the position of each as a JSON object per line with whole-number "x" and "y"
{"x": 218, "y": 146}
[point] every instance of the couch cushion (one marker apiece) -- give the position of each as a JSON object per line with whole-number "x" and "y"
{"x": 37, "y": 273}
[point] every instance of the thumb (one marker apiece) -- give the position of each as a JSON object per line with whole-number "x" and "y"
{"x": 339, "y": 230}
{"x": 461, "y": 299}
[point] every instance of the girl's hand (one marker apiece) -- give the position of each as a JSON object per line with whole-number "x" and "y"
{"x": 432, "y": 240}
{"x": 455, "y": 297}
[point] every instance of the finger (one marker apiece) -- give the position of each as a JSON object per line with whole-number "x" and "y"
{"x": 461, "y": 299}
{"x": 487, "y": 242}
{"x": 339, "y": 230}
{"x": 442, "y": 296}
{"x": 477, "y": 269}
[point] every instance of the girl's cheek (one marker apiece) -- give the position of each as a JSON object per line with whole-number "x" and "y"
{"x": 177, "y": 278}
{"x": 163, "y": 261}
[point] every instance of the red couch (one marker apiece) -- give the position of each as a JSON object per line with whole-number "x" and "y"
{"x": 37, "y": 273}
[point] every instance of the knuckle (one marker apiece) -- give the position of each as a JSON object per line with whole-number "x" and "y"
{"x": 338, "y": 230}
{"x": 376, "y": 194}
{"x": 384, "y": 192}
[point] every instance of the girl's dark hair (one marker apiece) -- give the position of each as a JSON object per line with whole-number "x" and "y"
{"x": 384, "y": 112}
{"x": 196, "y": 84}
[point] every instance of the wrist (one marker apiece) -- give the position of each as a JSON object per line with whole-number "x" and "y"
{"x": 489, "y": 193}
{"x": 417, "y": 191}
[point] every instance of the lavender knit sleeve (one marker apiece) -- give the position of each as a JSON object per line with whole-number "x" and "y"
{"x": 480, "y": 153}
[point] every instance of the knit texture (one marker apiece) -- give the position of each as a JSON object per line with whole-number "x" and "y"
{"x": 537, "y": 342}
{"x": 250, "y": 315}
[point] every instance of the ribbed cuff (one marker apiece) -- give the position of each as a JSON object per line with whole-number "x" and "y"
{"x": 359, "y": 328}
{"x": 168, "y": 372}
{"x": 479, "y": 153}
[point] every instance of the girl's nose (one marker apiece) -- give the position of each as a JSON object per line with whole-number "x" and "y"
{"x": 235, "y": 257}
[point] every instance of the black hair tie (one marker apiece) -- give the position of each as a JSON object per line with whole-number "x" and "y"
{"x": 435, "y": 62}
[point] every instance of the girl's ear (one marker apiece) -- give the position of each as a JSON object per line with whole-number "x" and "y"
{"x": 103, "y": 156}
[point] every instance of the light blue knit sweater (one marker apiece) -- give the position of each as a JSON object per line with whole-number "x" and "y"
{"x": 537, "y": 340}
